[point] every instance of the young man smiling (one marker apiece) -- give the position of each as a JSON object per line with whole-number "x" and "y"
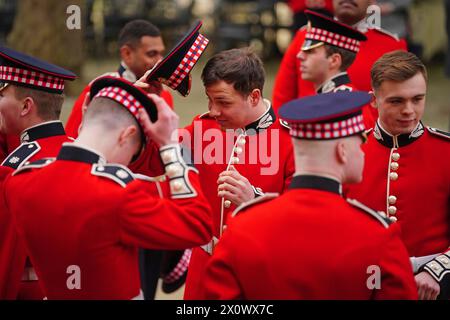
{"x": 244, "y": 150}
{"x": 407, "y": 173}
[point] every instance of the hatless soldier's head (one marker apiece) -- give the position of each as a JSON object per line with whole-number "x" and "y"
{"x": 109, "y": 122}
{"x": 399, "y": 82}
{"x": 234, "y": 82}
{"x": 141, "y": 46}
{"x": 351, "y": 11}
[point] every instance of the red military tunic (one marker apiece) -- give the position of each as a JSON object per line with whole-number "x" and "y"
{"x": 316, "y": 247}
{"x": 41, "y": 141}
{"x": 341, "y": 82}
{"x": 408, "y": 177}
{"x": 266, "y": 161}
{"x": 289, "y": 85}
{"x": 97, "y": 224}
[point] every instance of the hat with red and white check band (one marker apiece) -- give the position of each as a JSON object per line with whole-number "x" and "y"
{"x": 323, "y": 30}
{"x": 174, "y": 70}
{"x": 125, "y": 93}
{"x": 326, "y": 116}
{"x": 27, "y": 71}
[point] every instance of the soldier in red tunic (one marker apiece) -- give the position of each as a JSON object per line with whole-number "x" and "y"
{"x": 83, "y": 241}
{"x": 290, "y": 85}
{"x": 329, "y": 49}
{"x": 240, "y": 148}
{"x": 407, "y": 173}
{"x": 310, "y": 243}
{"x": 31, "y": 99}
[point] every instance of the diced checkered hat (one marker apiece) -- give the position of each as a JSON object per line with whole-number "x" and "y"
{"x": 174, "y": 70}
{"x": 322, "y": 29}
{"x": 27, "y": 71}
{"x": 326, "y": 116}
{"x": 126, "y": 94}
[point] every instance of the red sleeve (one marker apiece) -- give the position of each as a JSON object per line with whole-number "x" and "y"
{"x": 287, "y": 79}
{"x": 149, "y": 162}
{"x": 154, "y": 223}
{"x": 74, "y": 120}
{"x": 167, "y": 96}
{"x": 397, "y": 279}
{"x": 221, "y": 280}
{"x": 12, "y": 250}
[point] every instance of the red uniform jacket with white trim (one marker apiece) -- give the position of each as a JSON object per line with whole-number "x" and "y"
{"x": 83, "y": 239}
{"x": 316, "y": 247}
{"x": 266, "y": 161}
{"x": 408, "y": 177}
{"x": 41, "y": 141}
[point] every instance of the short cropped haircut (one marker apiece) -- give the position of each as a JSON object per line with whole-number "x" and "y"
{"x": 397, "y": 66}
{"x": 133, "y": 31}
{"x": 347, "y": 57}
{"x": 110, "y": 115}
{"x": 48, "y": 104}
{"x": 240, "y": 67}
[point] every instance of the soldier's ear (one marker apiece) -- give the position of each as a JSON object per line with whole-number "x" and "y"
{"x": 125, "y": 53}
{"x": 255, "y": 96}
{"x": 335, "y": 61}
{"x": 27, "y": 106}
{"x": 341, "y": 152}
{"x": 129, "y": 133}
{"x": 373, "y": 100}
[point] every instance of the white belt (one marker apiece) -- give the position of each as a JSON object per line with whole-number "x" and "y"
{"x": 29, "y": 274}
{"x": 209, "y": 247}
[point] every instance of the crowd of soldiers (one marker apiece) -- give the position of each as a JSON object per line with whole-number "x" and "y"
{"x": 335, "y": 190}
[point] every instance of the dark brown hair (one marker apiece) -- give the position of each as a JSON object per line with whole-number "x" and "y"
{"x": 347, "y": 57}
{"x": 240, "y": 67}
{"x": 134, "y": 30}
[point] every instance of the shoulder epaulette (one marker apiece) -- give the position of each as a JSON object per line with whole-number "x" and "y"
{"x": 439, "y": 133}
{"x": 379, "y": 216}
{"x": 21, "y": 154}
{"x": 266, "y": 197}
{"x": 390, "y": 34}
{"x": 116, "y": 172}
{"x": 34, "y": 165}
